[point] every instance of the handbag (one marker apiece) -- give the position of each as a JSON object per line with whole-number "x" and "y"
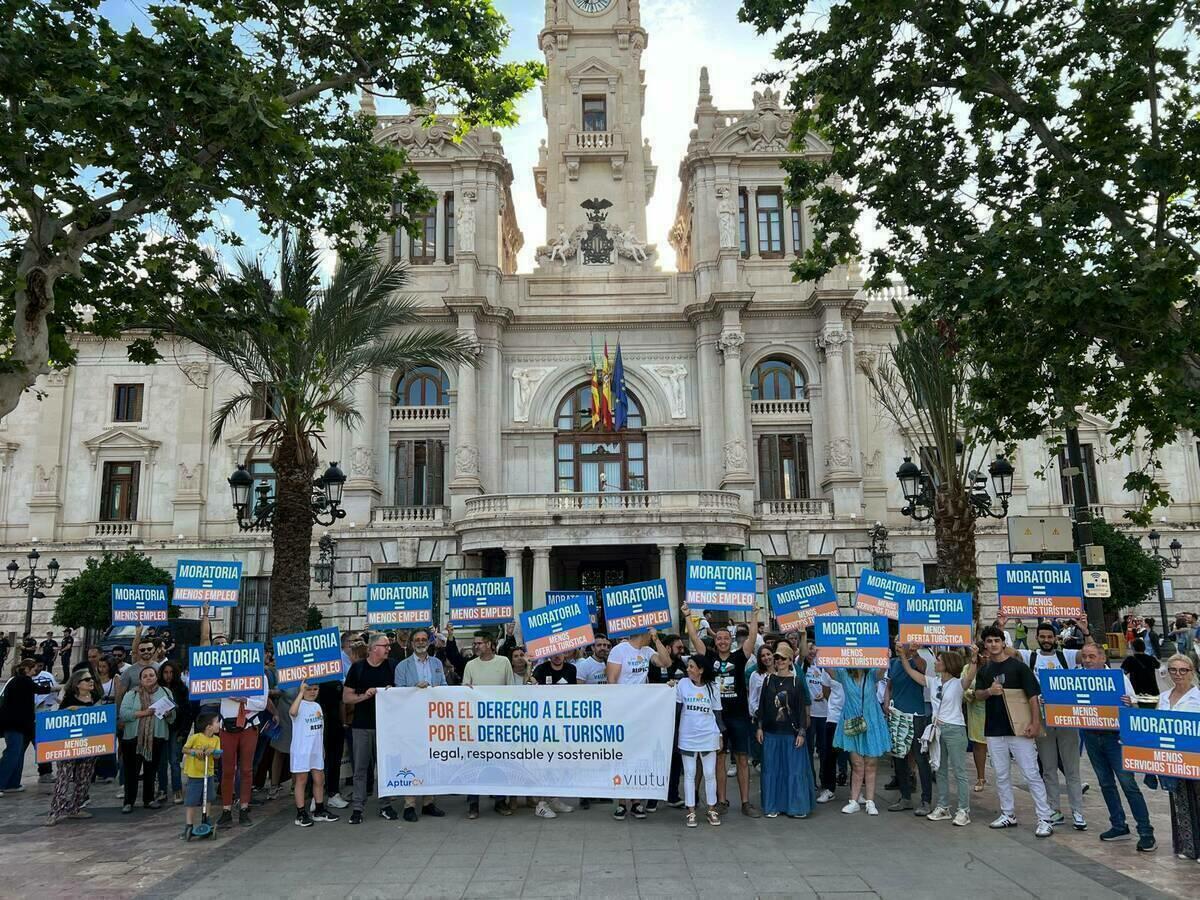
{"x": 856, "y": 725}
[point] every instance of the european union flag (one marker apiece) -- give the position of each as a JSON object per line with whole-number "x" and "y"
{"x": 620, "y": 398}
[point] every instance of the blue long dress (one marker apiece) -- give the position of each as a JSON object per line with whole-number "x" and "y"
{"x": 787, "y": 778}
{"x": 876, "y": 740}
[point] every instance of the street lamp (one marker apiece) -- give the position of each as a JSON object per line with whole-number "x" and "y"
{"x": 920, "y": 491}
{"x": 881, "y": 556}
{"x": 323, "y": 568}
{"x": 32, "y": 583}
{"x": 325, "y": 504}
{"x": 1164, "y": 563}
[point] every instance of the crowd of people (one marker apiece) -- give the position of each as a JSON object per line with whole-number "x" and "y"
{"x": 747, "y": 699}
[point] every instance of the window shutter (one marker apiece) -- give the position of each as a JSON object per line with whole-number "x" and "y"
{"x": 106, "y": 493}
{"x": 404, "y": 473}
{"x": 768, "y": 467}
{"x": 435, "y": 457}
{"x": 135, "y": 477}
{"x": 801, "y": 467}
{"x": 138, "y": 391}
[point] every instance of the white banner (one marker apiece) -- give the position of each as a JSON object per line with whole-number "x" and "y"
{"x": 555, "y": 741}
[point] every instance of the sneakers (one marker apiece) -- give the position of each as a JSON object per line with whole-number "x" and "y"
{"x": 1057, "y": 818}
{"x": 851, "y": 807}
{"x": 562, "y": 806}
{"x": 939, "y": 814}
{"x": 900, "y": 804}
{"x": 187, "y": 833}
{"x": 410, "y": 814}
{"x": 1078, "y": 822}
{"x": 502, "y": 808}
{"x": 225, "y": 820}
{"x": 356, "y": 817}
{"x": 922, "y": 811}
{"x": 153, "y": 804}
{"x": 585, "y": 803}
{"x": 48, "y": 778}
{"x": 1146, "y": 845}
{"x": 872, "y": 809}
{"x": 713, "y": 817}
{"x": 730, "y": 771}
{"x": 1116, "y": 834}
{"x": 543, "y": 811}
{"x": 303, "y": 819}
{"x": 244, "y": 818}
{"x": 674, "y": 804}
{"x": 750, "y": 811}
{"x": 323, "y": 815}
{"x": 638, "y": 811}
{"x": 651, "y": 806}
{"x": 825, "y": 796}
{"x": 690, "y": 820}
{"x": 1004, "y": 821}
{"x": 619, "y": 812}
{"x": 386, "y": 812}
{"x": 722, "y": 806}
{"x": 177, "y": 800}
{"x": 1044, "y": 829}
{"x": 432, "y": 810}
{"x": 336, "y": 802}
{"x": 962, "y": 818}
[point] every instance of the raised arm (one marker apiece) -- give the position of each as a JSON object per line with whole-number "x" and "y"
{"x": 205, "y": 626}
{"x": 749, "y": 644}
{"x": 913, "y": 673}
{"x": 692, "y": 633}
{"x": 662, "y": 656}
{"x": 295, "y": 710}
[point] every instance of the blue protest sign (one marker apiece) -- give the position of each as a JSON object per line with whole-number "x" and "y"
{"x": 558, "y": 628}
{"x": 63, "y": 734}
{"x": 1082, "y": 698}
{"x": 214, "y": 582}
{"x": 634, "y": 608}
{"x": 139, "y": 604}
{"x": 796, "y": 605}
{"x": 400, "y": 603}
{"x": 1161, "y": 742}
{"x": 232, "y": 670}
{"x": 855, "y": 642}
{"x": 879, "y": 593}
{"x": 588, "y": 597}
{"x": 480, "y": 601}
{"x": 312, "y": 656}
{"x": 717, "y": 584}
{"x": 936, "y": 619}
{"x": 1040, "y": 590}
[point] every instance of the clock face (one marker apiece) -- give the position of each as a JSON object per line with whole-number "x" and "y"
{"x": 593, "y": 6}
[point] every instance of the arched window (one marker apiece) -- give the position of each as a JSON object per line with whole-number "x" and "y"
{"x": 423, "y": 386}
{"x": 593, "y": 460}
{"x": 777, "y": 379}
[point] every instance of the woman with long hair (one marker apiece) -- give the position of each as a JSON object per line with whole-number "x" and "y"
{"x": 170, "y": 677}
{"x": 16, "y": 723}
{"x": 862, "y": 732}
{"x": 1183, "y": 696}
{"x": 143, "y": 737}
{"x": 951, "y": 725}
{"x": 700, "y": 729}
{"x": 787, "y": 777}
{"x": 74, "y": 776}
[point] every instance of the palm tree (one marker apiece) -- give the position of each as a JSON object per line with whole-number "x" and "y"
{"x": 305, "y": 345}
{"x": 923, "y": 388}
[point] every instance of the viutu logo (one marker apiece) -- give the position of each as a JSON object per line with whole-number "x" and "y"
{"x": 404, "y": 778}
{"x": 639, "y": 779}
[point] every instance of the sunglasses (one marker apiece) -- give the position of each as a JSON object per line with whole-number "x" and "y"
{"x": 81, "y": 680}
{"x": 1178, "y": 671}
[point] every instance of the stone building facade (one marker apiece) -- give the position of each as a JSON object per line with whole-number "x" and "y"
{"x": 752, "y": 430}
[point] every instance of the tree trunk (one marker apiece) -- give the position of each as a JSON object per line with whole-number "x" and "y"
{"x": 954, "y": 529}
{"x": 33, "y": 301}
{"x": 291, "y": 538}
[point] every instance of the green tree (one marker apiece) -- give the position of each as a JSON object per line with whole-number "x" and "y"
{"x": 308, "y": 344}
{"x": 1034, "y": 166}
{"x": 921, "y": 386}
{"x": 118, "y": 144}
{"x": 1131, "y": 572}
{"x": 86, "y": 599}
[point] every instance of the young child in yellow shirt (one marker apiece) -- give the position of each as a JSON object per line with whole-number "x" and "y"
{"x": 199, "y": 763}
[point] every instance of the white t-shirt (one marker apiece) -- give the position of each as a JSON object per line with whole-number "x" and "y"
{"x": 697, "y": 725}
{"x": 754, "y": 690}
{"x": 590, "y": 670}
{"x": 947, "y": 700}
{"x": 837, "y": 698}
{"x": 816, "y": 687}
{"x": 634, "y": 662}
{"x": 308, "y": 729}
{"x": 1189, "y": 702}
{"x": 1037, "y": 660}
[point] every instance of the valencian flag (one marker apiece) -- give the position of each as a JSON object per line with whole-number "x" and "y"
{"x": 606, "y": 398}
{"x": 620, "y": 398}
{"x": 595, "y": 387}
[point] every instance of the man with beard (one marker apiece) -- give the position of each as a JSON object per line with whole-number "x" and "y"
{"x": 591, "y": 669}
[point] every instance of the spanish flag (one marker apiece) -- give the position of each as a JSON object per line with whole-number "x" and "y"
{"x": 606, "y": 399}
{"x": 595, "y": 388}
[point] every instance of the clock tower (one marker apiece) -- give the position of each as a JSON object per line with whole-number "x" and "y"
{"x": 594, "y": 173}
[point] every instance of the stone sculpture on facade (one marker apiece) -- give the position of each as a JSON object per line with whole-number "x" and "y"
{"x": 727, "y": 218}
{"x": 628, "y": 244}
{"x": 525, "y": 383}
{"x": 465, "y": 227}
{"x": 672, "y": 378}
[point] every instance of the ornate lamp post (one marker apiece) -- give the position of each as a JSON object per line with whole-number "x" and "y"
{"x": 1164, "y": 563}
{"x": 881, "y": 556}
{"x": 325, "y": 505}
{"x": 32, "y": 583}
{"x": 323, "y": 568}
{"x": 919, "y": 490}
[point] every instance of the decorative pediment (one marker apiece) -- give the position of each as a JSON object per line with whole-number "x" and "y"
{"x": 121, "y": 441}
{"x": 593, "y": 69}
{"x": 422, "y": 139}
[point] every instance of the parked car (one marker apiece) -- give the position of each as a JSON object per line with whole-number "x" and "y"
{"x": 186, "y": 633}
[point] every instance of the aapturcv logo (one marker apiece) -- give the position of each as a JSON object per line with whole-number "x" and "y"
{"x": 404, "y": 778}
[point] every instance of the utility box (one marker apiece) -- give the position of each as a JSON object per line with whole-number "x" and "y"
{"x": 1040, "y": 534}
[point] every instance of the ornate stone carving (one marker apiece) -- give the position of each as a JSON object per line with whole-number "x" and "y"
{"x": 525, "y": 383}
{"x": 465, "y": 226}
{"x": 572, "y": 168}
{"x": 627, "y": 243}
{"x": 735, "y": 455}
{"x": 838, "y": 454}
{"x": 563, "y": 247}
{"x": 197, "y": 373}
{"x": 618, "y": 168}
{"x": 362, "y": 462}
{"x": 189, "y": 479}
{"x": 865, "y": 359}
{"x": 767, "y": 128}
{"x": 831, "y": 339}
{"x": 421, "y": 142}
{"x": 730, "y": 342}
{"x": 871, "y": 464}
{"x": 549, "y": 47}
{"x": 45, "y": 480}
{"x": 673, "y": 381}
{"x": 466, "y": 460}
{"x": 727, "y": 218}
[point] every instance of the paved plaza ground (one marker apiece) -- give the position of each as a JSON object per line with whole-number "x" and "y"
{"x": 585, "y": 854}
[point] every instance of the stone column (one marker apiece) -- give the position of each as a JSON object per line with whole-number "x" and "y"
{"x": 52, "y": 428}
{"x": 752, "y": 222}
{"x": 668, "y": 573}
{"x": 360, "y": 460}
{"x": 514, "y": 569}
{"x": 465, "y": 482}
{"x": 737, "y": 461}
{"x": 842, "y": 480}
{"x": 541, "y": 576}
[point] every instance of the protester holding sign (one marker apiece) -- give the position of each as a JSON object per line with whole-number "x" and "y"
{"x": 366, "y": 678}
{"x": 951, "y": 730}
{"x": 1184, "y": 696}
{"x": 698, "y": 704}
{"x": 906, "y": 698}
{"x": 144, "y": 736}
{"x": 862, "y": 731}
{"x": 306, "y": 755}
{"x": 787, "y": 777}
{"x": 420, "y": 670}
{"x": 73, "y": 777}
{"x": 629, "y": 663}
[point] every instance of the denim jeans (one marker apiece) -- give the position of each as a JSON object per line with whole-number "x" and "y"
{"x": 953, "y": 759}
{"x": 1104, "y": 751}
{"x": 13, "y": 760}
{"x": 172, "y": 759}
{"x": 924, "y": 773}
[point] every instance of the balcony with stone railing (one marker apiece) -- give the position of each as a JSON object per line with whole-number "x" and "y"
{"x": 803, "y": 508}
{"x": 403, "y": 416}
{"x": 122, "y": 531}
{"x": 797, "y": 410}
{"x": 398, "y": 516}
{"x": 584, "y": 141}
